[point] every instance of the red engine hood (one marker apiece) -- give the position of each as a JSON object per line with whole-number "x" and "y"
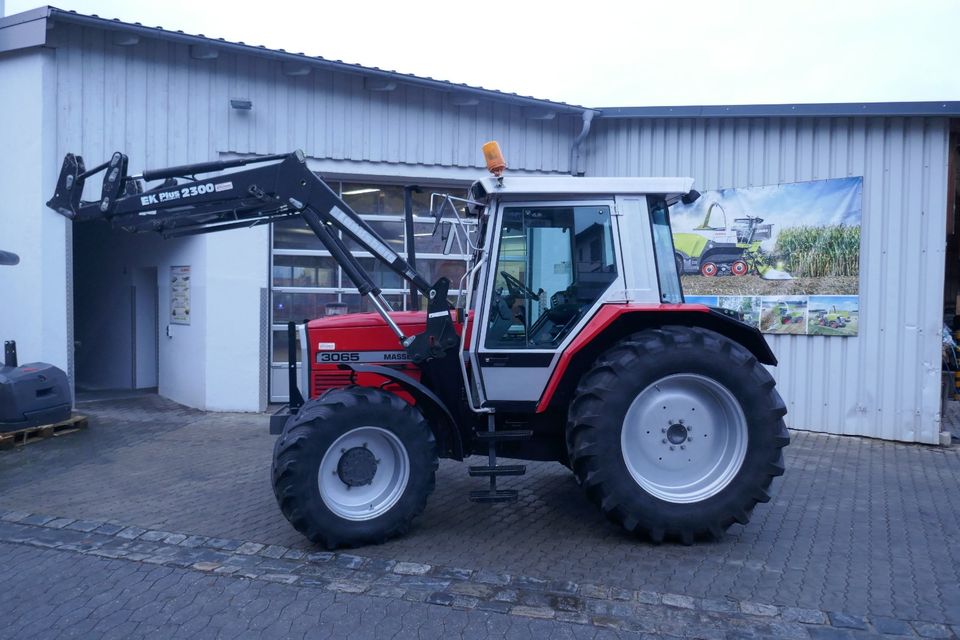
{"x": 367, "y": 320}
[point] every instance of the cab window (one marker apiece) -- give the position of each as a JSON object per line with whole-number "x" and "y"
{"x": 553, "y": 264}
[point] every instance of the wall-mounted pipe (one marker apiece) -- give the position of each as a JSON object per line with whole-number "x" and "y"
{"x": 575, "y": 147}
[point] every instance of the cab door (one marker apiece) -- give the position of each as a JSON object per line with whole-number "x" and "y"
{"x": 554, "y": 264}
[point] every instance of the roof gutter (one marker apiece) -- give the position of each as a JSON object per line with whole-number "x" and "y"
{"x": 587, "y": 116}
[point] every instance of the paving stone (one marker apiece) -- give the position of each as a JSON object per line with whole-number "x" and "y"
{"x": 155, "y": 536}
{"x": 533, "y": 612}
{"x": 35, "y": 519}
{"x": 175, "y": 538}
{"x": 494, "y": 605}
{"x": 646, "y": 597}
{"x": 488, "y": 577}
{"x": 195, "y": 541}
{"x": 58, "y": 523}
{"x": 932, "y": 630}
{"x": 411, "y": 568}
{"x": 272, "y": 551}
{"x": 224, "y": 543}
{"x": 758, "y": 609}
{"x": 320, "y": 556}
{"x": 130, "y": 533}
{"x": 507, "y": 595}
{"x": 441, "y": 598}
{"x": 595, "y": 591}
{"x": 684, "y": 602}
{"x": 446, "y": 573}
{"x": 109, "y": 529}
{"x": 348, "y": 561}
{"x": 718, "y": 606}
{"x": 846, "y": 621}
{"x": 891, "y": 626}
{"x": 287, "y": 578}
{"x": 829, "y": 633}
{"x": 249, "y": 548}
{"x": 806, "y": 616}
{"x": 14, "y": 516}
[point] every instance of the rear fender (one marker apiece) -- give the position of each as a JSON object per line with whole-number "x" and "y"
{"x": 614, "y": 322}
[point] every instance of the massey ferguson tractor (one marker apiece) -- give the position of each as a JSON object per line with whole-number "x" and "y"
{"x": 572, "y": 343}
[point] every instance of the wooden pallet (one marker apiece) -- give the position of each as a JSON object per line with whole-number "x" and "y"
{"x": 42, "y": 432}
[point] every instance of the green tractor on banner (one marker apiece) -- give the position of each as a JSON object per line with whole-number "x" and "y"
{"x": 833, "y": 318}
{"x": 727, "y": 250}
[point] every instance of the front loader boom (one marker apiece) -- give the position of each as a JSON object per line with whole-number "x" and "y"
{"x": 276, "y": 188}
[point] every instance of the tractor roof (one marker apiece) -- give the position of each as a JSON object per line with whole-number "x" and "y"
{"x": 569, "y": 185}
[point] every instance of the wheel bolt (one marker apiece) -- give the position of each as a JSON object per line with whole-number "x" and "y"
{"x": 689, "y": 439}
{"x": 664, "y": 430}
{"x": 682, "y": 447}
{"x": 671, "y": 447}
{"x": 664, "y": 441}
{"x": 680, "y": 421}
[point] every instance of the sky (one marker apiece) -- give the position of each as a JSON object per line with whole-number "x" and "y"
{"x": 605, "y": 53}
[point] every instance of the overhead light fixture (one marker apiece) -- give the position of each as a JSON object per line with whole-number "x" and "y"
{"x": 242, "y": 105}
{"x": 356, "y": 192}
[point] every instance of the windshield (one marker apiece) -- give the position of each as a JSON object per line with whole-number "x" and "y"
{"x": 670, "y": 290}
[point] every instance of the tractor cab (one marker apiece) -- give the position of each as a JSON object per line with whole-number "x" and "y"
{"x": 551, "y": 257}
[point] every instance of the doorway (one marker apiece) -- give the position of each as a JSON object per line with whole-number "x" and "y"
{"x": 116, "y": 312}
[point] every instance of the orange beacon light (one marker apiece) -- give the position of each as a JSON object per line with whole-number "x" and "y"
{"x": 494, "y": 157}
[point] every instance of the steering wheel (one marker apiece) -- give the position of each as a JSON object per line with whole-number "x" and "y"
{"x": 518, "y": 289}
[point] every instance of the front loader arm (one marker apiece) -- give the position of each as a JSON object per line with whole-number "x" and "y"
{"x": 278, "y": 187}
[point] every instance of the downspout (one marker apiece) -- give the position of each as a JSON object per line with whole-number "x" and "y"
{"x": 575, "y": 147}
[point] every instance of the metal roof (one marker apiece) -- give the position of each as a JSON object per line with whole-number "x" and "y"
{"x": 31, "y": 31}
{"x": 584, "y": 186}
{"x": 824, "y": 109}
{"x": 112, "y": 24}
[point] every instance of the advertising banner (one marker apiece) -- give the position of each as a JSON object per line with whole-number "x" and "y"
{"x": 786, "y": 256}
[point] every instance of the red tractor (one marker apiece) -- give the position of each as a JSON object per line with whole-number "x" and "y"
{"x": 572, "y": 343}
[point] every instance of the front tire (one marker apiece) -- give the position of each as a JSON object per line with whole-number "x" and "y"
{"x": 359, "y": 471}
{"x": 641, "y": 423}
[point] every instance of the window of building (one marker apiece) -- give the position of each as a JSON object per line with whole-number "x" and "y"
{"x": 307, "y": 283}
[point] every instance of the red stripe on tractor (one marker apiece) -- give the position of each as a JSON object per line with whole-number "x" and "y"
{"x": 607, "y": 314}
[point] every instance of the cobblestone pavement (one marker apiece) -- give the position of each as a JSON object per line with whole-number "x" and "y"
{"x": 858, "y": 526}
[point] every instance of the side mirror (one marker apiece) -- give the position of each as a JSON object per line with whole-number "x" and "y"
{"x": 7, "y": 258}
{"x": 690, "y": 197}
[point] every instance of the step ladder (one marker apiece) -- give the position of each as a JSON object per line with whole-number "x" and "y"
{"x": 492, "y": 469}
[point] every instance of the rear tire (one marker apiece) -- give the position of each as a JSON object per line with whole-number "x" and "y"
{"x": 617, "y": 427}
{"x": 359, "y": 472}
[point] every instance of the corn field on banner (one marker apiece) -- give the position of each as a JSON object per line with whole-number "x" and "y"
{"x": 786, "y": 256}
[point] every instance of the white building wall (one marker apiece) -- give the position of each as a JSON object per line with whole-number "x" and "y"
{"x": 33, "y": 294}
{"x": 886, "y": 381}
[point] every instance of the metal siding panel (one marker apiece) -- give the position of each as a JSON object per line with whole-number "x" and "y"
{"x": 884, "y": 382}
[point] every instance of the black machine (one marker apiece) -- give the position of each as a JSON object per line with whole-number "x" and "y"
{"x": 31, "y": 395}
{"x": 34, "y": 394}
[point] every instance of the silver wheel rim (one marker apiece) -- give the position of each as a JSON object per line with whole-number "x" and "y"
{"x": 387, "y": 485}
{"x": 684, "y": 438}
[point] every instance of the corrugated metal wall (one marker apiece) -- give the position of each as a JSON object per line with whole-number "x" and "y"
{"x": 164, "y": 107}
{"x": 886, "y": 381}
